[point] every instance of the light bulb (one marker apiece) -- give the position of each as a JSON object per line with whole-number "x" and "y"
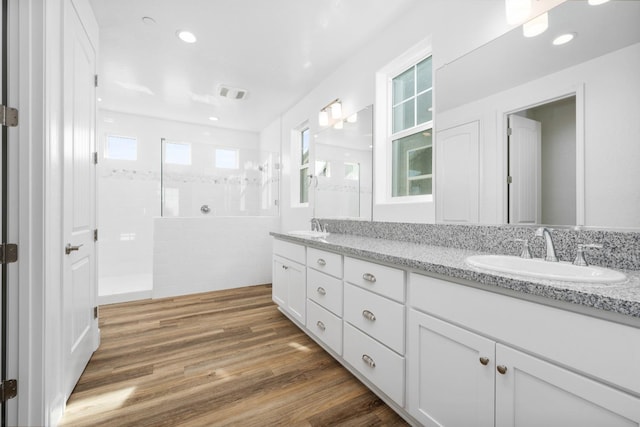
{"x": 336, "y": 110}
{"x": 339, "y": 124}
{"x": 352, "y": 118}
{"x": 323, "y": 118}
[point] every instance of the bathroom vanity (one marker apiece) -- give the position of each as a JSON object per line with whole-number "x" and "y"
{"x": 447, "y": 344}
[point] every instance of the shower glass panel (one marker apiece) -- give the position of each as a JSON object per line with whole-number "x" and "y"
{"x": 200, "y": 179}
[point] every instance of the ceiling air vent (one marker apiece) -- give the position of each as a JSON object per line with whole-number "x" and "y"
{"x": 231, "y": 92}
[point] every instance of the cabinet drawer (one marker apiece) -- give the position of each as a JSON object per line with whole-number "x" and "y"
{"x": 381, "y": 366}
{"x": 325, "y": 290}
{"x": 324, "y": 261}
{"x": 289, "y": 250}
{"x": 380, "y": 279}
{"x": 325, "y": 326}
{"x": 377, "y": 316}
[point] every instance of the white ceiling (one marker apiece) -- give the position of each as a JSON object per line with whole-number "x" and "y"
{"x": 278, "y": 50}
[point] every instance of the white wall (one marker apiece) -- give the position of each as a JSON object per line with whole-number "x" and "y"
{"x": 129, "y": 194}
{"x": 453, "y": 34}
{"x": 192, "y": 255}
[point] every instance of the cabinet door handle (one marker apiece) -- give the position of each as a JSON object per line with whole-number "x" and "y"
{"x": 321, "y": 290}
{"x": 284, "y": 267}
{"x": 502, "y": 369}
{"x": 69, "y": 248}
{"x": 484, "y": 361}
{"x": 368, "y": 315}
{"x": 369, "y": 277}
{"x": 320, "y": 325}
{"x": 368, "y": 360}
{"x": 322, "y": 262}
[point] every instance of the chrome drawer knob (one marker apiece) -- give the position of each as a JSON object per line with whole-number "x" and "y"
{"x": 322, "y": 262}
{"x": 320, "y": 325}
{"x": 484, "y": 361}
{"x": 368, "y": 360}
{"x": 369, "y": 277}
{"x": 321, "y": 290}
{"x": 368, "y": 315}
{"x": 502, "y": 369}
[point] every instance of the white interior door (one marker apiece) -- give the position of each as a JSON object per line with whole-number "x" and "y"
{"x": 525, "y": 166}
{"x": 80, "y": 329}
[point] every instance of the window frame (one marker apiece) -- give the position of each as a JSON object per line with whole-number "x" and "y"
{"x": 384, "y": 135}
{"x": 297, "y": 166}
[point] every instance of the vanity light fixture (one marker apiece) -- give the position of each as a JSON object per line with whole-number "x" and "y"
{"x": 334, "y": 108}
{"x": 563, "y": 39}
{"x": 338, "y": 125}
{"x": 186, "y": 36}
{"x": 596, "y": 2}
{"x": 536, "y": 26}
{"x": 517, "y": 10}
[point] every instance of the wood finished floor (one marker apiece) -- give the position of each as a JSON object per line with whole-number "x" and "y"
{"x": 214, "y": 359}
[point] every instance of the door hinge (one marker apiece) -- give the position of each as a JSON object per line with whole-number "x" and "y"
{"x": 95, "y": 235}
{"x": 95, "y": 80}
{"x": 8, "y": 390}
{"x": 95, "y": 157}
{"x": 509, "y": 179}
{"x": 95, "y": 312}
{"x": 509, "y": 131}
{"x": 8, "y": 116}
{"x": 8, "y": 253}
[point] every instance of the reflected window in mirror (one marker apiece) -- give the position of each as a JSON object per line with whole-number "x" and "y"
{"x": 412, "y": 123}
{"x": 304, "y": 165}
{"x": 323, "y": 168}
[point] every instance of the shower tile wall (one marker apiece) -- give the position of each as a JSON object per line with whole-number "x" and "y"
{"x": 129, "y": 198}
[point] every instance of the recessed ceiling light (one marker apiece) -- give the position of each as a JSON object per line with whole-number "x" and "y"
{"x": 536, "y": 26}
{"x": 99, "y": 99}
{"x": 213, "y": 118}
{"x": 186, "y": 36}
{"x": 563, "y": 39}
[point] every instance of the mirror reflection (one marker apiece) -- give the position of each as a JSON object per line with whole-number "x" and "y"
{"x": 342, "y": 179}
{"x": 556, "y": 127}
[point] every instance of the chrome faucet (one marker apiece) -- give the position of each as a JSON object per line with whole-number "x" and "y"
{"x": 551, "y": 251}
{"x": 315, "y": 224}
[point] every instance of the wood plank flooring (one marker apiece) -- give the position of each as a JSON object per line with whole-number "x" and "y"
{"x": 214, "y": 359}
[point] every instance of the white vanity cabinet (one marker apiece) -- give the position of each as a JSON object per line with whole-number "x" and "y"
{"x": 324, "y": 297}
{"x": 461, "y": 346}
{"x": 374, "y": 319}
{"x": 289, "y": 288}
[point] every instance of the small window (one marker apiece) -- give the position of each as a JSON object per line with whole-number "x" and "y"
{"x": 304, "y": 166}
{"x": 412, "y": 173}
{"x": 121, "y": 148}
{"x": 227, "y": 159}
{"x": 177, "y": 153}
{"x": 352, "y": 171}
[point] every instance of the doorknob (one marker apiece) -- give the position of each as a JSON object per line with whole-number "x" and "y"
{"x": 68, "y": 249}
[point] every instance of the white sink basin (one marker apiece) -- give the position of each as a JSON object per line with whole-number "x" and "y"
{"x": 308, "y": 233}
{"x": 541, "y": 269}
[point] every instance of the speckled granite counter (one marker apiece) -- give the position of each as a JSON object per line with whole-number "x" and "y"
{"x": 623, "y": 298}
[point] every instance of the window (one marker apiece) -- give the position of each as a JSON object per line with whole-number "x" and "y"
{"x": 352, "y": 171}
{"x": 323, "y": 168}
{"x": 177, "y": 153}
{"x": 304, "y": 165}
{"x": 411, "y": 128}
{"x": 121, "y": 148}
{"x": 227, "y": 159}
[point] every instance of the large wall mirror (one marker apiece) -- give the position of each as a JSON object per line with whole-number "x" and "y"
{"x": 559, "y": 135}
{"x": 342, "y": 184}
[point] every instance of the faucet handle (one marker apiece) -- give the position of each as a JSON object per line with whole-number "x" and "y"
{"x": 580, "y": 253}
{"x": 525, "y": 253}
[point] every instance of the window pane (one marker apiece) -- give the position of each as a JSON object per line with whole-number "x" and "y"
{"x": 121, "y": 148}
{"x": 227, "y": 159}
{"x": 425, "y": 104}
{"x": 412, "y": 159}
{"x": 177, "y": 153}
{"x": 352, "y": 171}
{"x": 304, "y": 185}
{"x": 404, "y": 86}
{"x": 323, "y": 168}
{"x": 304, "y": 147}
{"x": 403, "y": 116}
{"x": 423, "y": 70}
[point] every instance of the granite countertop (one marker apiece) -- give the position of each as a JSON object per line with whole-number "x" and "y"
{"x": 622, "y": 298}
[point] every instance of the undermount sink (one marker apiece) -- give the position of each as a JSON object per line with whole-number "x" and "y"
{"x": 542, "y": 269}
{"x": 308, "y": 233}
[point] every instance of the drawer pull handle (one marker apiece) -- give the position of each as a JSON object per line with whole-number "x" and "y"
{"x": 368, "y": 315}
{"x": 484, "y": 361}
{"x": 320, "y": 325}
{"x": 368, "y": 360}
{"x": 284, "y": 267}
{"x": 321, "y": 290}
{"x": 322, "y": 262}
{"x": 369, "y": 277}
{"x": 502, "y": 369}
